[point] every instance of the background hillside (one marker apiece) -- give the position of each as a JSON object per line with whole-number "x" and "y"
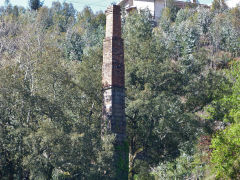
{"x": 182, "y": 93}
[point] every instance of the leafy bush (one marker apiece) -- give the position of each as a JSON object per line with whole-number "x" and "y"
{"x": 226, "y": 153}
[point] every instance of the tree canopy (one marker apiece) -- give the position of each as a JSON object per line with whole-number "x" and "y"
{"x": 182, "y": 93}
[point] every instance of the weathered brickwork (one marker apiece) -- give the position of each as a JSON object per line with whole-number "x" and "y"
{"x": 114, "y": 121}
{"x": 113, "y": 74}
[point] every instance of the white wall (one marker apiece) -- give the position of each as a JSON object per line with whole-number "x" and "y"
{"x": 159, "y": 6}
{"x": 130, "y": 2}
{"x": 144, "y": 4}
{"x": 233, "y": 3}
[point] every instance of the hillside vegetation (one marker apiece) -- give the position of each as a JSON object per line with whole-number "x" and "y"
{"x": 182, "y": 93}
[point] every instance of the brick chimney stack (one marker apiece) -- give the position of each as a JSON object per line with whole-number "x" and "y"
{"x": 114, "y": 121}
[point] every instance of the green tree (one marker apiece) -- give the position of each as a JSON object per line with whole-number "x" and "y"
{"x": 165, "y": 89}
{"x": 51, "y": 98}
{"x": 173, "y": 9}
{"x": 225, "y": 143}
{"x": 219, "y": 6}
{"x": 224, "y": 32}
{"x": 63, "y": 15}
{"x": 35, "y": 4}
{"x": 226, "y": 153}
{"x": 53, "y": 128}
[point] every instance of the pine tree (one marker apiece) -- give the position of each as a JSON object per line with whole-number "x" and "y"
{"x": 35, "y": 4}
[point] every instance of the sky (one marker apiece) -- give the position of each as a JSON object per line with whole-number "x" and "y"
{"x": 96, "y": 5}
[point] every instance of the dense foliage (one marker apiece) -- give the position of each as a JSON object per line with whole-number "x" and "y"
{"x": 226, "y": 143}
{"x": 182, "y": 93}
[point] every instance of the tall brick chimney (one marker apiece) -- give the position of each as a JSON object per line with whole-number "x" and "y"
{"x": 114, "y": 121}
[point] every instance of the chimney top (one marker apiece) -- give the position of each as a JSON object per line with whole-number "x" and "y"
{"x": 113, "y": 9}
{"x": 113, "y": 21}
